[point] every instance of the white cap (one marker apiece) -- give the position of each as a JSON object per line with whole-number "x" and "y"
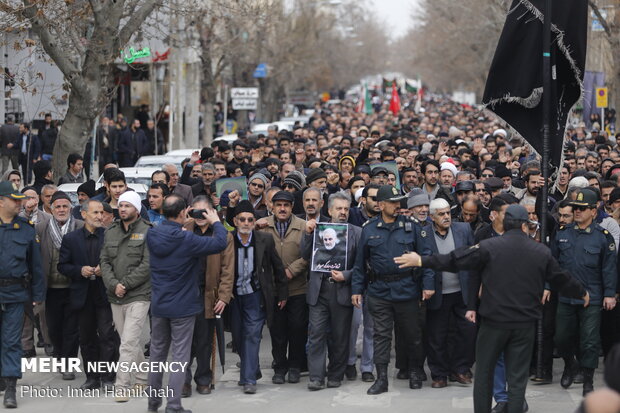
{"x": 131, "y": 197}
{"x": 450, "y": 167}
{"x": 500, "y": 132}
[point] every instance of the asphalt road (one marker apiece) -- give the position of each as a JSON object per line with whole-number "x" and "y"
{"x": 287, "y": 398}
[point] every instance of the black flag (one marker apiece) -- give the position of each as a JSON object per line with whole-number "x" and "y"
{"x": 515, "y": 83}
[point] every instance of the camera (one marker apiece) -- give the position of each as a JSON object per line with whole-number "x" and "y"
{"x": 197, "y": 213}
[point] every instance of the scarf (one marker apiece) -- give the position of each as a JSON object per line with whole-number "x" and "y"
{"x": 56, "y": 232}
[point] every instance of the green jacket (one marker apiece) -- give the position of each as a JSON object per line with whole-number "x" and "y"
{"x": 125, "y": 260}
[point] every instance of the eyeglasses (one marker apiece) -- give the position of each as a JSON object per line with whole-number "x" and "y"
{"x": 372, "y": 198}
{"x": 288, "y": 186}
{"x": 297, "y": 136}
{"x": 581, "y": 208}
{"x": 244, "y": 219}
{"x": 261, "y": 186}
{"x": 487, "y": 175}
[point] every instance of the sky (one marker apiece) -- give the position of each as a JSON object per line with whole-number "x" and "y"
{"x": 395, "y": 13}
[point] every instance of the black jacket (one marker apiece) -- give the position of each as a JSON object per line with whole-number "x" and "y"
{"x": 512, "y": 286}
{"x": 73, "y": 256}
{"x": 268, "y": 272}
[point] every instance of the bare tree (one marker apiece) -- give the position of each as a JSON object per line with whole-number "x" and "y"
{"x": 83, "y": 39}
{"x": 612, "y": 34}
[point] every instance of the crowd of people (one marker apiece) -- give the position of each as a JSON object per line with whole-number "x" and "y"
{"x": 446, "y": 181}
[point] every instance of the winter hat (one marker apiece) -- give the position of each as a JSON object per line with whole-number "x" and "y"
{"x": 88, "y": 188}
{"x": 260, "y": 176}
{"x": 294, "y": 180}
{"x": 244, "y": 206}
{"x": 59, "y": 195}
{"x": 131, "y": 197}
{"x": 314, "y": 175}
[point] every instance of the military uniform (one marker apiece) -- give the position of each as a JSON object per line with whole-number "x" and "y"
{"x": 392, "y": 294}
{"x": 590, "y": 256}
{"x": 21, "y": 281}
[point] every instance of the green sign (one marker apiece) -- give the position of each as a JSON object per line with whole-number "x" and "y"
{"x": 136, "y": 54}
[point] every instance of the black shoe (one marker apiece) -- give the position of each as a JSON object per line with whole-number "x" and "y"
{"x": 91, "y": 384}
{"x": 180, "y": 410}
{"x": 10, "y": 398}
{"x": 588, "y": 381}
{"x": 40, "y": 344}
{"x": 414, "y": 382}
{"x": 314, "y": 385}
{"x": 153, "y": 405}
{"x": 68, "y": 376}
{"x": 402, "y": 374}
{"x": 568, "y": 375}
{"x": 249, "y": 388}
{"x": 419, "y": 374}
{"x": 278, "y": 378}
{"x": 293, "y": 375}
{"x": 29, "y": 354}
{"x": 368, "y": 377}
{"x": 351, "y": 372}
{"x": 500, "y": 407}
{"x": 332, "y": 384}
{"x": 381, "y": 384}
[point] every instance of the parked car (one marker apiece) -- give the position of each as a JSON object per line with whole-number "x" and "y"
{"x": 71, "y": 190}
{"x": 262, "y": 127}
{"x": 157, "y": 161}
{"x": 135, "y": 175}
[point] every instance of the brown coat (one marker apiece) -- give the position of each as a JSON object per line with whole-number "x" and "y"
{"x": 219, "y": 275}
{"x": 289, "y": 250}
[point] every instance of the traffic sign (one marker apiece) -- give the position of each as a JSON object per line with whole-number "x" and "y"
{"x": 244, "y": 104}
{"x": 244, "y": 92}
{"x": 601, "y": 97}
{"x": 260, "y": 71}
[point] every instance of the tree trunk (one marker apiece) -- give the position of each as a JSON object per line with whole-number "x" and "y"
{"x": 75, "y": 133}
{"x": 209, "y": 119}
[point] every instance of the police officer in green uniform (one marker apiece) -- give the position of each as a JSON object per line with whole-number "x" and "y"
{"x": 587, "y": 251}
{"x": 392, "y": 294}
{"x": 21, "y": 279}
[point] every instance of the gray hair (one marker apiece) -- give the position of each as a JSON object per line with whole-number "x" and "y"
{"x": 343, "y": 196}
{"x": 86, "y": 204}
{"x": 202, "y": 198}
{"x": 438, "y": 203}
{"x": 170, "y": 165}
{"x": 592, "y": 154}
{"x": 463, "y": 173}
{"x": 208, "y": 167}
{"x": 528, "y": 201}
{"x": 311, "y": 189}
{"x": 50, "y": 187}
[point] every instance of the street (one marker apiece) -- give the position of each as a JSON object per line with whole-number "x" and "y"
{"x": 350, "y": 397}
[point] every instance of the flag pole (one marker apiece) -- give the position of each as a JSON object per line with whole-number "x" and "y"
{"x": 546, "y": 70}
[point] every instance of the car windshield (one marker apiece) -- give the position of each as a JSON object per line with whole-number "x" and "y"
{"x": 146, "y": 180}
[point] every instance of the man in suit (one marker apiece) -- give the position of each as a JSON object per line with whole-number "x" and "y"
{"x": 79, "y": 260}
{"x": 449, "y": 355}
{"x": 132, "y": 144}
{"x": 62, "y": 320}
{"x": 260, "y": 285}
{"x": 329, "y": 298}
{"x": 28, "y": 149}
{"x": 184, "y": 191}
{"x": 313, "y": 204}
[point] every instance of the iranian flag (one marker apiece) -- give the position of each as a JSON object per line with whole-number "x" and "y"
{"x": 364, "y": 105}
{"x": 395, "y": 100}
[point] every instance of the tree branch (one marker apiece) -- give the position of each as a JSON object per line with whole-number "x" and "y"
{"x": 136, "y": 20}
{"x": 600, "y": 18}
{"x": 51, "y": 47}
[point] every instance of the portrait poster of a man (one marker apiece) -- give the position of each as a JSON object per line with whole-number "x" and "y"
{"x": 329, "y": 251}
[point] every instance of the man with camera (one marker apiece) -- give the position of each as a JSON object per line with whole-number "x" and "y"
{"x": 175, "y": 299}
